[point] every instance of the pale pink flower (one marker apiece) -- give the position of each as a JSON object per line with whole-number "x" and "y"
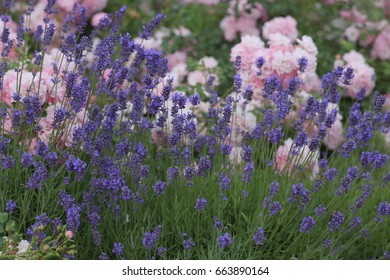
{"x": 284, "y": 160}
{"x": 352, "y": 33}
{"x": 176, "y": 58}
{"x": 387, "y": 102}
{"x": 69, "y": 234}
{"x": 354, "y": 15}
{"x": 308, "y": 45}
{"x": 283, "y": 62}
{"x": 67, "y": 5}
{"x": 386, "y": 7}
{"x": 310, "y": 81}
{"x": 243, "y": 120}
{"x": 387, "y": 139}
{"x": 97, "y": 17}
{"x": 94, "y": 6}
{"x": 178, "y": 73}
{"x": 284, "y": 25}
{"x": 335, "y": 135}
{"x": 298, "y": 103}
{"x": 182, "y": 31}
{"x": 28, "y": 85}
{"x": 159, "y": 135}
{"x": 242, "y": 18}
{"x": 247, "y": 26}
{"x": 7, "y": 123}
{"x": 354, "y": 58}
{"x": 204, "y": 2}
{"x": 208, "y": 62}
{"x": 381, "y": 46}
{"x": 196, "y": 77}
{"x": 235, "y": 155}
{"x": 227, "y": 24}
{"x": 37, "y": 15}
{"x": 247, "y": 49}
{"x": 364, "y": 74}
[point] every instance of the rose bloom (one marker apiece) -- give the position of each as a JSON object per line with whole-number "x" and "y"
{"x": 387, "y": 139}
{"x": 381, "y": 46}
{"x": 242, "y": 19}
{"x": 335, "y": 135}
{"x": 364, "y": 74}
{"x": 247, "y": 49}
{"x": 283, "y": 157}
{"x": 284, "y": 25}
{"x": 244, "y": 120}
{"x": 387, "y": 102}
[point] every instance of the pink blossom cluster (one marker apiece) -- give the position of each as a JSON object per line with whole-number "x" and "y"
{"x": 286, "y": 26}
{"x": 368, "y": 33}
{"x": 281, "y": 59}
{"x": 381, "y": 45}
{"x": 204, "y": 2}
{"x": 51, "y": 97}
{"x": 242, "y": 19}
{"x": 93, "y": 7}
{"x": 285, "y": 161}
{"x": 364, "y": 75}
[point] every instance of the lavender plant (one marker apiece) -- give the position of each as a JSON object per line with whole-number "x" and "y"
{"x": 94, "y": 136}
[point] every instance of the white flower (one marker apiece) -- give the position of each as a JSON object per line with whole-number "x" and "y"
{"x": 23, "y": 246}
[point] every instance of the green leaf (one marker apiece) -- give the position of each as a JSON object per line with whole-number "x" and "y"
{"x": 11, "y": 226}
{"x": 51, "y": 256}
{"x": 246, "y": 218}
{"x": 3, "y": 217}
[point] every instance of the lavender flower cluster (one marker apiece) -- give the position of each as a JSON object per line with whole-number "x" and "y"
{"x": 110, "y": 139}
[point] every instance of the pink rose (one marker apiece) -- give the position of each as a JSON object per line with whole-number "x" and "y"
{"x": 387, "y": 139}
{"x": 247, "y": 49}
{"x": 8, "y": 123}
{"x": 208, "y": 62}
{"x": 364, "y": 74}
{"x": 229, "y": 29}
{"x": 387, "y": 102}
{"x": 242, "y": 18}
{"x": 335, "y": 135}
{"x": 284, "y": 25}
{"x": 244, "y": 120}
{"x": 196, "y": 77}
{"x": 69, "y": 234}
{"x": 286, "y": 161}
{"x": 97, "y": 17}
{"x": 176, "y": 58}
{"x": 94, "y": 6}
{"x": 381, "y": 46}
{"x": 204, "y": 2}
{"x": 67, "y": 5}
{"x": 352, "y": 33}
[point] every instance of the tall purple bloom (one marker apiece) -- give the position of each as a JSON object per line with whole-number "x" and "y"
{"x": 384, "y": 209}
{"x": 148, "y": 28}
{"x": 307, "y": 224}
{"x": 118, "y": 249}
{"x": 159, "y": 187}
{"x": 150, "y": 238}
{"x": 336, "y": 221}
{"x": 77, "y": 166}
{"x": 188, "y": 243}
{"x": 224, "y": 240}
{"x": 259, "y": 236}
{"x": 10, "y": 206}
{"x": 200, "y": 204}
